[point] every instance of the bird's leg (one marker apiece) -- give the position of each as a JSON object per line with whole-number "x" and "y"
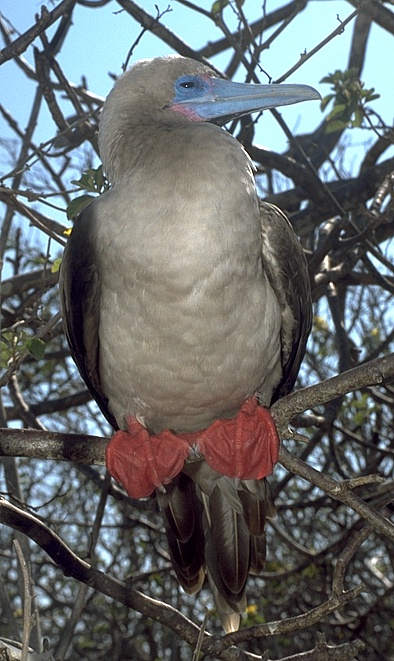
{"x": 246, "y": 447}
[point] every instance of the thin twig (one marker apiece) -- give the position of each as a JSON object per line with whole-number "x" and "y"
{"x": 27, "y": 601}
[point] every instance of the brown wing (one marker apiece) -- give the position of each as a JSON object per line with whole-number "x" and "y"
{"x": 80, "y": 303}
{"x": 285, "y": 264}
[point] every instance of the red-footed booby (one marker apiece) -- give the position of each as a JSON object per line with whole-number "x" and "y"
{"x": 186, "y": 305}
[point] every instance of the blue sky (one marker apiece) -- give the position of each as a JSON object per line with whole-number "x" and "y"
{"x": 99, "y": 41}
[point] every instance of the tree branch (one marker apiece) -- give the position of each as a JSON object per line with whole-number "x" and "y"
{"x": 219, "y": 646}
{"x": 43, "y": 22}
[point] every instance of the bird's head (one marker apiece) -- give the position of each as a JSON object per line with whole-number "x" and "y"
{"x": 203, "y": 96}
{"x": 171, "y": 90}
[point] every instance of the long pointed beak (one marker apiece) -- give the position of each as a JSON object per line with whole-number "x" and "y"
{"x": 219, "y": 99}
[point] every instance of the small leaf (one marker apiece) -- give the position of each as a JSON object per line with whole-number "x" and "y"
{"x": 358, "y": 117}
{"x": 98, "y": 177}
{"x": 86, "y": 182}
{"x": 218, "y": 6}
{"x": 5, "y": 354}
{"x": 77, "y": 205}
{"x": 337, "y": 110}
{"x": 36, "y": 347}
{"x": 56, "y": 265}
{"x": 320, "y": 323}
{"x": 326, "y": 100}
{"x": 335, "y": 125}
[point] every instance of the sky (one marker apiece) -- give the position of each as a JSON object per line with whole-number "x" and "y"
{"x": 100, "y": 39}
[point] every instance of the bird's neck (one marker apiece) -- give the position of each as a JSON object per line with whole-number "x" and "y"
{"x": 197, "y": 192}
{"x": 171, "y": 152}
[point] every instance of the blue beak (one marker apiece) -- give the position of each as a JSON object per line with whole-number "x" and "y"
{"x": 204, "y": 98}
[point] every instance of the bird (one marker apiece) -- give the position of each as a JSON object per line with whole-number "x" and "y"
{"x": 186, "y": 305}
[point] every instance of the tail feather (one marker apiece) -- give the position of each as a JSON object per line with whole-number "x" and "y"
{"x": 229, "y": 614}
{"x": 217, "y": 524}
{"x": 230, "y": 545}
{"x": 257, "y": 554}
{"x": 178, "y": 506}
{"x": 257, "y": 503}
{"x": 182, "y": 513}
{"x": 188, "y": 561}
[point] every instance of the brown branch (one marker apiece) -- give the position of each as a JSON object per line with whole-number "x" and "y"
{"x": 19, "y": 284}
{"x": 27, "y": 601}
{"x": 256, "y": 28}
{"x": 339, "y": 491}
{"x": 306, "y": 56}
{"x": 44, "y": 21}
{"x": 43, "y": 77}
{"x": 287, "y": 165}
{"x": 52, "y": 405}
{"x": 24, "y": 412}
{"x": 357, "y": 538}
{"x": 290, "y": 624}
{"x": 154, "y": 26}
{"x": 350, "y": 193}
{"x": 219, "y": 646}
{"x": 50, "y": 228}
{"x": 77, "y": 448}
{"x": 379, "y": 14}
{"x": 82, "y": 571}
{"x": 324, "y": 652}
{"x": 375, "y": 372}
{"x": 90, "y": 449}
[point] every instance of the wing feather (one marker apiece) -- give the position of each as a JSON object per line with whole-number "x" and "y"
{"x": 79, "y": 287}
{"x": 287, "y": 270}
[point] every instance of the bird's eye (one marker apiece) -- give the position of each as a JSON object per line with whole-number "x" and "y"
{"x": 188, "y": 84}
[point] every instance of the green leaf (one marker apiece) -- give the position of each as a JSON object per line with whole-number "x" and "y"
{"x": 372, "y": 97}
{"x": 358, "y": 117}
{"x": 218, "y": 6}
{"x": 337, "y": 110}
{"x": 77, "y": 205}
{"x": 93, "y": 180}
{"x": 56, "y": 265}
{"x": 36, "y": 347}
{"x": 333, "y": 77}
{"x": 86, "y": 182}
{"x": 335, "y": 125}
{"x": 5, "y": 354}
{"x": 99, "y": 179}
{"x": 326, "y": 100}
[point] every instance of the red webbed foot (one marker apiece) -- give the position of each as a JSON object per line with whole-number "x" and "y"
{"x": 246, "y": 446}
{"x": 142, "y": 462}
